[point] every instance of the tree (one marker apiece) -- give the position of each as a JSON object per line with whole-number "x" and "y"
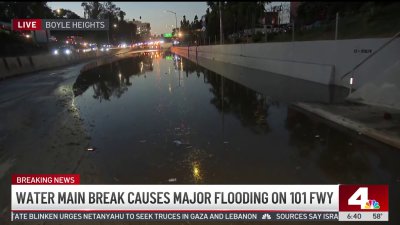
{"x": 185, "y": 25}
{"x": 10, "y": 10}
{"x": 92, "y": 10}
{"x": 121, "y": 15}
{"x": 110, "y": 10}
{"x": 236, "y": 16}
{"x": 65, "y": 13}
{"x": 196, "y": 24}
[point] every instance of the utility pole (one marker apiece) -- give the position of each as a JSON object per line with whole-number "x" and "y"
{"x": 337, "y": 25}
{"x": 293, "y": 30}
{"x": 221, "y": 36}
{"x": 108, "y": 35}
{"x": 176, "y": 22}
{"x": 265, "y": 27}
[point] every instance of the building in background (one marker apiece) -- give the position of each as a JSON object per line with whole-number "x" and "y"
{"x": 277, "y": 13}
{"x": 142, "y": 28}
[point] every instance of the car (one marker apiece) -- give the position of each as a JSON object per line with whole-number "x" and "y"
{"x": 122, "y": 45}
{"x": 64, "y": 50}
{"x": 93, "y": 47}
{"x": 105, "y": 48}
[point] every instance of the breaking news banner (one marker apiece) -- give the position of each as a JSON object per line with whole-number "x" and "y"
{"x": 59, "y": 24}
{"x": 44, "y": 197}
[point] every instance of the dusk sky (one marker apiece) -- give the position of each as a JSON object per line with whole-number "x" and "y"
{"x": 152, "y": 12}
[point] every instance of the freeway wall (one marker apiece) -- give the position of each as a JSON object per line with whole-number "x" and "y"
{"x": 382, "y": 90}
{"x": 12, "y": 66}
{"x": 323, "y": 62}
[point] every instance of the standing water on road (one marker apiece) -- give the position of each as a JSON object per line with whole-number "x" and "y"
{"x": 159, "y": 118}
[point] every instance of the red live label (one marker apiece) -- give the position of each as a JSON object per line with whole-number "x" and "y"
{"x": 45, "y": 179}
{"x": 27, "y": 24}
{"x": 365, "y": 198}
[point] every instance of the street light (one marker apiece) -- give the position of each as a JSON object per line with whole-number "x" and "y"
{"x": 221, "y": 34}
{"x": 58, "y": 11}
{"x": 176, "y": 20}
{"x": 115, "y": 25}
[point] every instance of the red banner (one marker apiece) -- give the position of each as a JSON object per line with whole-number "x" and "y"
{"x": 45, "y": 179}
{"x": 363, "y": 198}
{"x": 26, "y": 24}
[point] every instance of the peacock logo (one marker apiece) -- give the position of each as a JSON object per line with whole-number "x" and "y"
{"x": 372, "y": 204}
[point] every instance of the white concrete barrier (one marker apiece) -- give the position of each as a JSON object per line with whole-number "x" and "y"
{"x": 322, "y": 74}
{"x": 315, "y": 57}
{"x": 12, "y": 64}
{"x": 3, "y": 69}
{"x": 25, "y": 63}
{"x": 46, "y": 61}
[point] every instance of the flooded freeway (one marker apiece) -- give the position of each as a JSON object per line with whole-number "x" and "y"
{"x": 158, "y": 118}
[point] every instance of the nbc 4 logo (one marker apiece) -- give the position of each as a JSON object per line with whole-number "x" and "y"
{"x": 266, "y": 216}
{"x": 360, "y": 197}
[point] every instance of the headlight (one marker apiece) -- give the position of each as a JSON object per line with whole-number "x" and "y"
{"x": 107, "y": 49}
{"x": 102, "y": 49}
{"x": 55, "y": 52}
{"x": 67, "y": 51}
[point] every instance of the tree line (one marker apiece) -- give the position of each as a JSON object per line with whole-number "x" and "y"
{"x": 236, "y": 16}
{"x": 120, "y": 30}
{"x": 240, "y": 16}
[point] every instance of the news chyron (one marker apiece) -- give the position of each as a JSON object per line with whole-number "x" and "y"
{"x": 59, "y": 24}
{"x": 51, "y": 197}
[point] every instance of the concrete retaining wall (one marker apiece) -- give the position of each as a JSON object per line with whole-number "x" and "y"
{"x": 383, "y": 90}
{"x": 11, "y": 66}
{"x": 318, "y": 61}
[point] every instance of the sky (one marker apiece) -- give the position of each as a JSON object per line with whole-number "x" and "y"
{"x": 152, "y": 12}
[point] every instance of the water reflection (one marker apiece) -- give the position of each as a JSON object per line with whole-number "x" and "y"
{"x": 229, "y": 97}
{"x": 342, "y": 156}
{"x": 193, "y": 165}
{"x": 281, "y": 88}
{"x": 113, "y": 79}
{"x": 179, "y": 122}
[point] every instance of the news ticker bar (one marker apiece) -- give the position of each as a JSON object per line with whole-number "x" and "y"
{"x": 61, "y": 197}
{"x": 60, "y": 24}
{"x": 177, "y": 216}
{"x": 199, "y": 216}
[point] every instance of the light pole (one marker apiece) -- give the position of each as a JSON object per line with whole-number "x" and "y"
{"x": 221, "y": 34}
{"x": 108, "y": 35}
{"x": 176, "y": 19}
{"x": 115, "y": 28}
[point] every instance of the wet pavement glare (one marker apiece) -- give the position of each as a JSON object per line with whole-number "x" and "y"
{"x": 159, "y": 118}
